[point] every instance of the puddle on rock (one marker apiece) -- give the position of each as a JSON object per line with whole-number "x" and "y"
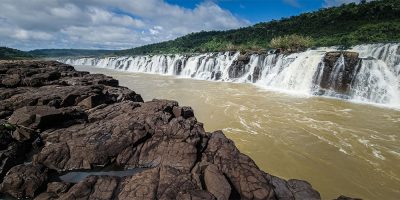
{"x": 77, "y": 176}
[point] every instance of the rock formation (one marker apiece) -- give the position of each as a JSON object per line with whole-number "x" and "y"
{"x": 56, "y": 120}
{"x": 338, "y": 71}
{"x": 239, "y": 66}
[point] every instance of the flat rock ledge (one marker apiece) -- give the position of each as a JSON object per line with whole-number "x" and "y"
{"x": 54, "y": 120}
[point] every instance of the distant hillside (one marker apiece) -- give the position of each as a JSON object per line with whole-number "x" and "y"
{"x": 13, "y": 54}
{"x": 351, "y": 24}
{"x": 69, "y": 52}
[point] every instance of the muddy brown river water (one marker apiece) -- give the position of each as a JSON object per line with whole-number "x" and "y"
{"x": 338, "y": 146}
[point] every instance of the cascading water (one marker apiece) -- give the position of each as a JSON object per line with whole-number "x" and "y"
{"x": 375, "y": 79}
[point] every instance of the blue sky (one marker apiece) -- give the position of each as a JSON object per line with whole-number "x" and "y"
{"x": 122, "y": 24}
{"x": 262, "y": 10}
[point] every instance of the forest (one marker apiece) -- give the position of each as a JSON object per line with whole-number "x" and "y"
{"x": 9, "y": 53}
{"x": 346, "y": 25}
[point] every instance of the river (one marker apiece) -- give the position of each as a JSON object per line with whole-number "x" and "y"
{"x": 338, "y": 146}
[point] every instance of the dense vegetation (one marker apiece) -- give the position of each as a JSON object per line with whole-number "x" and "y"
{"x": 346, "y": 25}
{"x": 291, "y": 43}
{"x": 69, "y": 52}
{"x": 351, "y": 24}
{"x": 9, "y": 53}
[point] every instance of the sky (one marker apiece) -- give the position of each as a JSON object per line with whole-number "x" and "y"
{"x": 122, "y": 24}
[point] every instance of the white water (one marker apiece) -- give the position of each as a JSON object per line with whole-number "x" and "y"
{"x": 377, "y": 82}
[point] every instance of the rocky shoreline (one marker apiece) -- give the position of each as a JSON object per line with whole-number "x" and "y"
{"x": 55, "y": 120}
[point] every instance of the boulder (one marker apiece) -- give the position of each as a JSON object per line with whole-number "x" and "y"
{"x": 216, "y": 75}
{"x": 11, "y": 81}
{"x": 58, "y": 187}
{"x": 31, "y": 118}
{"x": 293, "y": 189}
{"x": 93, "y": 101}
{"x": 239, "y": 67}
{"x": 24, "y": 181}
{"x": 338, "y": 71}
{"x": 346, "y": 198}
{"x": 13, "y": 155}
{"x": 54, "y": 191}
{"x": 185, "y": 112}
{"x": 256, "y": 74}
{"x": 178, "y": 67}
{"x": 246, "y": 180}
{"x": 93, "y": 187}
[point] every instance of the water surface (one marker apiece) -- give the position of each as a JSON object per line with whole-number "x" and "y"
{"x": 338, "y": 146}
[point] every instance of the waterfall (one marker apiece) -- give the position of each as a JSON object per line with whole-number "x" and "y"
{"x": 375, "y": 78}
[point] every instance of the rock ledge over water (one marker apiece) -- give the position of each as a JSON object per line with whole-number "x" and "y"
{"x": 54, "y": 120}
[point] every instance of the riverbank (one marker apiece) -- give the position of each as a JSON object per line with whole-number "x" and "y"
{"x": 60, "y": 120}
{"x": 327, "y": 139}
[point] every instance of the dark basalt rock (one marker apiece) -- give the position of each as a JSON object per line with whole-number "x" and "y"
{"x": 13, "y": 147}
{"x": 238, "y": 67}
{"x": 54, "y": 191}
{"x": 256, "y": 74}
{"x": 24, "y": 181}
{"x": 346, "y": 198}
{"x": 178, "y": 67}
{"x": 11, "y": 80}
{"x": 337, "y": 74}
{"x": 216, "y": 75}
{"x": 216, "y": 182}
{"x": 88, "y": 122}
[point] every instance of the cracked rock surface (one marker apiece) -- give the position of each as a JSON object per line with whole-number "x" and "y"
{"x": 56, "y": 120}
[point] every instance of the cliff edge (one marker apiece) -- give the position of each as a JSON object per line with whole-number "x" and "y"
{"x": 55, "y": 120}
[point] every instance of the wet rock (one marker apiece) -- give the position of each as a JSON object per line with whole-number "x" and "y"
{"x": 239, "y": 67}
{"x": 293, "y": 189}
{"x": 24, "y": 181}
{"x": 302, "y": 190}
{"x": 256, "y": 74}
{"x": 178, "y": 67}
{"x": 338, "y": 71}
{"x": 216, "y": 75}
{"x": 346, "y": 198}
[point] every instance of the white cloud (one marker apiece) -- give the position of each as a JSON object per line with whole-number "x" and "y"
{"x": 105, "y": 23}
